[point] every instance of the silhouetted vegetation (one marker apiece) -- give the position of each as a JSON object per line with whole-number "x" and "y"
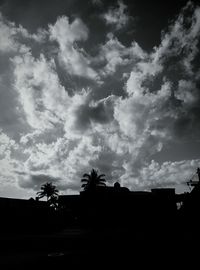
{"x": 51, "y": 192}
{"x": 110, "y": 218}
{"x": 93, "y": 180}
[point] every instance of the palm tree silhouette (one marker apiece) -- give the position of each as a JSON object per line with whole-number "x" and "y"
{"x": 48, "y": 190}
{"x": 92, "y": 180}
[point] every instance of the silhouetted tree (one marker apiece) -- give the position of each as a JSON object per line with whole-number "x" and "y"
{"x": 50, "y": 191}
{"x": 53, "y": 202}
{"x": 92, "y": 180}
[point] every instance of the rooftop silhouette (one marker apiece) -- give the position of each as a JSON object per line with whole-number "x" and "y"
{"x": 112, "y": 217}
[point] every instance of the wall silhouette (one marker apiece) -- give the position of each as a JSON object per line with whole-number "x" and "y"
{"x": 118, "y": 207}
{"x": 26, "y": 216}
{"x": 121, "y": 223}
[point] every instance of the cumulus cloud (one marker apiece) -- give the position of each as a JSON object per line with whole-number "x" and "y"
{"x": 167, "y": 174}
{"x": 6, "y": 144}
{"x": 63, "y": 134}
{"x": 117, "y": 16}
{"x": 63, "y": 161}
{"x": 40, "y": 93}
{"x": 113, "y": 55}
{"x": 9, "y": 32}
{"x": 160, "y": 108}
{"x": 13, "y": 37}
{"x": 8, "y": 163}
{"x": 180, "y": 43}
{"x": 73, "y": 57}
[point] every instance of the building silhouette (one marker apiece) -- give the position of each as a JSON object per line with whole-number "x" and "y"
{"x": 116, "y": 206}
{"x": 106, "y": 226}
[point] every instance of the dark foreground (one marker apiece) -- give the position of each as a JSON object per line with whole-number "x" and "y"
{"x": 99, "y": 248}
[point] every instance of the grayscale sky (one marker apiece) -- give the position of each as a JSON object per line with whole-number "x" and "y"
{"x": 111, "y": 85}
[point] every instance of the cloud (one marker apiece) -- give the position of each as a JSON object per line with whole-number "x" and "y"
{"x": 74, "y": 58}
{"x": 92, "y": 113}
{"x": 114, "y": 56}
{"x": 180, "y": 43}
{"x": 46, "y": 103}
{"x": 35, "y": 181}
{"x": 50, "y": 133}
{"x": 9, "y": 149}
{"x": 39, "y": 90}
{"x": 160, "y": 107}
{"x": 14, "y": 38}
{"x": 9, "y": 32}
{"x": 12, "y": 119}
{"x": 63, "y": 160}
{"x": 187, "y": 92}
{"x": 97, "y": 3}
{"x": 167, "y": 174}
{"x": 117, "y": 16}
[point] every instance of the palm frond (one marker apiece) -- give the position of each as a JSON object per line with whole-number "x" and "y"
{"x": 92, "y": 180}
{"x": 101, "y": 185}
{"x": 101, "y": 175}
{"x": 84, "y": 180}
{"x": 86, "y": 175}
{"x": 101, "y": 180}
{"x": 40, "y": 192}
{"x": 49, "y": 190}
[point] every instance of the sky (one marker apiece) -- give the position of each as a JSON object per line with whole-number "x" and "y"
{"x": 110, "y": 85}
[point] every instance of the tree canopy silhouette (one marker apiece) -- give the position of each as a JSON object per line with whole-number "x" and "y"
{"x": 92, "y": 180}
{"x": 50, "y": 191}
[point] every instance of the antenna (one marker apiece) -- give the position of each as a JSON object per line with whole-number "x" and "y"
{"x": 192, "y": 182}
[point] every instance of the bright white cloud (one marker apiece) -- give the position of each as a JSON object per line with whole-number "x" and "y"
{"x": 8, "y": 164}
{"x": 64, "y": 160}
{"x": 181, "y": 42}
{"x": 114, "y": 54}
{"x": 7, "y": 145}
{"x": 8, "y": 32}
{"x": 45, "y": 101}
{"x": 75, "y": 59}
{"x": 41, "y": 95}
{"x": 67, "y": 133}
{"x": 167, "y": 174}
